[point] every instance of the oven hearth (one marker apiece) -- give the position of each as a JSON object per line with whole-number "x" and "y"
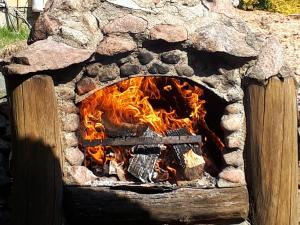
{"x": 147, "y": 109}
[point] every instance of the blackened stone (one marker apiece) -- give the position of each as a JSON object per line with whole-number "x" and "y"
{"x": 157, "y": 68}
{"x": 145, "y": 57}
{"x": 128, "y": 69}
{"x": 104, "y": 72}
{"x": 172, "y": 57}
{"x": 184, "y": 70}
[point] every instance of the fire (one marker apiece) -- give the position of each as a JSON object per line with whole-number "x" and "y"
{"x": 159, "y": 103}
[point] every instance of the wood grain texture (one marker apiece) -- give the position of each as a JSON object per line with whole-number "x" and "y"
{"x": 100, "y": 205}
{"x": 271, "y": 152}
{"x": 37, "y": 188}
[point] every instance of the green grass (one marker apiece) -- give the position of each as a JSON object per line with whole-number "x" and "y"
{"x": 8, "y": 36}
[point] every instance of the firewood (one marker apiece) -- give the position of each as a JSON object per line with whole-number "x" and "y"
{"x": 122, "y": 129}
{"x": 189, "y": 158}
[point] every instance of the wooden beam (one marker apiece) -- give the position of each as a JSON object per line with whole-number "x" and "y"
{"x": 102, "y": 205}
{"x": 36, "y": 146}
{"x": 271, "y": 152}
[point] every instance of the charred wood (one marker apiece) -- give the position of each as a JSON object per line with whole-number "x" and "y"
{"x": 188, "y": 156}
{"x": 122, "y": 129}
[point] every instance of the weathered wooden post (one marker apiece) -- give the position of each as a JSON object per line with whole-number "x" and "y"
{"x": 37, "y": 189}
{"x": 271, "y": 151}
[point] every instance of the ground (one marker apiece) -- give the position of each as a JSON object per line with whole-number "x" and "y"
{"x": 285, "y": 28}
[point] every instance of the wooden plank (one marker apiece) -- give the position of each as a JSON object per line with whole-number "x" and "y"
{"x": 129, "y": 141}
{"x": 298, "y": 206}
{"x": 37, "y": 190}
{"x": 271, "y": 151}
{"x": 89, "y": 205}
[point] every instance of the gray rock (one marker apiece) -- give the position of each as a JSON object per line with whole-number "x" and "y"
{"x": 67, "y": 107}
{"x": 184, "y": 70}
{"x": 46, "y": 55}
{"x": 85, "y": 85}
{"x": 234, "y": 175}
{"x": 74, "y": 156}
{"x": 235, "y": 140}
{"x": 129, "y": 69}
{"x": 232, "y": 122}
{"x": 171, "y": 57}
{"x": 104, "y": 72}
{"x": 269, "y": 62}
{"x": 70, "y": 122}
{"x": 65, "y": 92}
{"x": 169, "y": 33}
{"x": 158, "y": 68}
{"x": 79, "y": 175}
{"x": 113, "y": 45}
{"x": 226, "y": 87}
{"x": 222, "y": 183}
{"x": 44, "y": 26}
{"x": 75, "y": 35}
{"x": 2, "y": 86}
{"x": 234, "y": 158}
{"x": 79, "y": 29}
{"x": 128, "y": 23}
{"x": 70, "y": 139}
{"x": 234, "y": 108}
{"x": 145, "y": 57}
{"x": 223, "y": 34}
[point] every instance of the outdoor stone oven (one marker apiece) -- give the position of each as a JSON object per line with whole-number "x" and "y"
{"x": 191, "y": 54}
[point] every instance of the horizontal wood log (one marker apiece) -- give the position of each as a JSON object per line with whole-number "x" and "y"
{"x": 100, "y": 205}
{"x": 144, "y": 141}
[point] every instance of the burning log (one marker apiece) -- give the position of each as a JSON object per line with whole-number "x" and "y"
{"x": 188, "y": 156}
{"x": 142, "y": 166}
{"x": 122, "y": 129}
{"x": 143, "y": 162}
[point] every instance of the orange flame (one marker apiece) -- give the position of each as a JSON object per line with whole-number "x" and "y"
{"x": 160, "y": 103}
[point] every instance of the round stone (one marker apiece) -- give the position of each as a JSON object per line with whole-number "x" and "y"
{"x": 184, "y": 70}
{"x": 234, "y": 108}
{"x": 172, "y": 57}
{"x": 104, "y": 72}
{"x": 158, "y": 68}
{"x": 145, "y": 57}
{"x": 169, "y": 33}
{"x": 113, "y": 45}
{"x": 70, "y": 139}
{"x": 70, "y": 122}
{"x": 128, "y": 69}
{"x": 74, "y": 156}
{"x": 85, "y": 85}
{"x": 234, "y": 175}
{"x": 232, "y": 122}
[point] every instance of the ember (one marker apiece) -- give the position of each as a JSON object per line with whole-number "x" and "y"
{"x": 143, "y": 106}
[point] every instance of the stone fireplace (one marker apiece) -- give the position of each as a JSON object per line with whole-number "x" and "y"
{"x": 185, "y": 67}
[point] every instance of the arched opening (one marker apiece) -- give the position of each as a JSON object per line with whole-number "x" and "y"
{"x": 153, "y": 107}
